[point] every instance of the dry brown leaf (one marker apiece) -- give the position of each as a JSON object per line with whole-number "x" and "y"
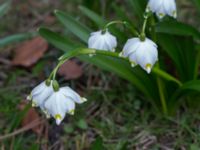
{"x": 30, "y": 52}
{"x": 49, "y": 19}
{"x": 30, "y": 117}
{"x": 70, "y": 70}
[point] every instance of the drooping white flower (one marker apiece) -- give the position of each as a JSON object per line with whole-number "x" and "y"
{"x": 40, "y": 93}
{"x": 62, "y": 102}
{"x": 162, "y": 7}
{"x": 102, "y": 41}
{"x": 141, "y": 52}
{"x": 147, "y": 54}
{"x": 129, "y": 50}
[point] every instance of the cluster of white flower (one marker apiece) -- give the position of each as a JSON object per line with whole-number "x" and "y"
{"x": 54, "y": 101}
{"x": 141, "y": 51}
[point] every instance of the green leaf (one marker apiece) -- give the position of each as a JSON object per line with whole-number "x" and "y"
{"x": 181, "y": 51}
{"x": 176, "y": 28}
{"x": 101, "y": 23}
{"x": 93, "y": 16}
{"x": 74, "y": 26}
{"x": 16, "y": 38}
{"x": 122, "y": 15}
{"x": 138, "y": 7}
{"x": 4, "y": 8}
{"x": 187, "y": 87}
{"x": 192, "y": 85}
{"x": 57, "y": 40}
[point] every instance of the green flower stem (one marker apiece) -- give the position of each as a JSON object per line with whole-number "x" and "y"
{"x": 143, "y": 34}
{"x": 112, "y": 23}
{"x": 162, "y": 96}
{"x": 125, "y": 23}
{"x": 87, "y": 51}
{"x": 161, "y": 88}
{"x": 159, "y": 72}
{"x": 144, "y": 24}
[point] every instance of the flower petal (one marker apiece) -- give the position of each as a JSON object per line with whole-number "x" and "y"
{"x": 68, "y": 92}
{"x": 105, "y": 41}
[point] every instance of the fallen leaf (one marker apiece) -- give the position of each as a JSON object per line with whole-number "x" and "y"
{"x": 70, "y": 70}
{"x": 30, "y": 117}
{"x": 49, "y": 19}
{"x": 29, "y": 52}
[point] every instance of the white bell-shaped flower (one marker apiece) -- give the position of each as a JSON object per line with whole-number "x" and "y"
{"x": 102, "y": 41}
{"x": 40, "y": 93}
{"x": 62, "y": 102}
{"x": 162, "y": 8}
{"x": 142, "y": 52}
{"x": 129, "y": 50}
{"x": 147, "y": 54}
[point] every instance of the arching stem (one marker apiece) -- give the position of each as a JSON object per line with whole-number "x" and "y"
{"x": 125, "y": 23}
{"x": 87, "y": 51}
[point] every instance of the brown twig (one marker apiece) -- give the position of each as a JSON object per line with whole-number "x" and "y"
{"x": 28, "y": 127}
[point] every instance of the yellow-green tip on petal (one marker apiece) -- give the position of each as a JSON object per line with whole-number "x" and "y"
{"x": 174, "y": 13}
{"x": 47, "y": 114}
{"x": 83, "y": 99}
{"x": 58, "y": 118}
{"x": 34, "y": 104}
{"x": 113, "y": 50}
{"x": 29, "y": 97}
{"x": 148, "y": 68}
{"x": 121, "y": 54}
{"x": 133, "y": 64}
{"x": 71, "y": 112}
{"x": 161, "y": 15}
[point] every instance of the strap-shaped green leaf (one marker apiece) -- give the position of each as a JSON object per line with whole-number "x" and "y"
{"x": 15, "y": 38}
{"x": 121, "y": 14}
{"x": 181, "y": 51}
{"x": 189, "y": 86}
{"x": 138, "y": 7}
{"x": 58, "y": 40}
{"x": 93, "y": 16}
{"x": 192, "y": 85}
{"x": 100, "y": 22}
{"x": 176, "y": 28}
{"x": 75, "y": 27}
